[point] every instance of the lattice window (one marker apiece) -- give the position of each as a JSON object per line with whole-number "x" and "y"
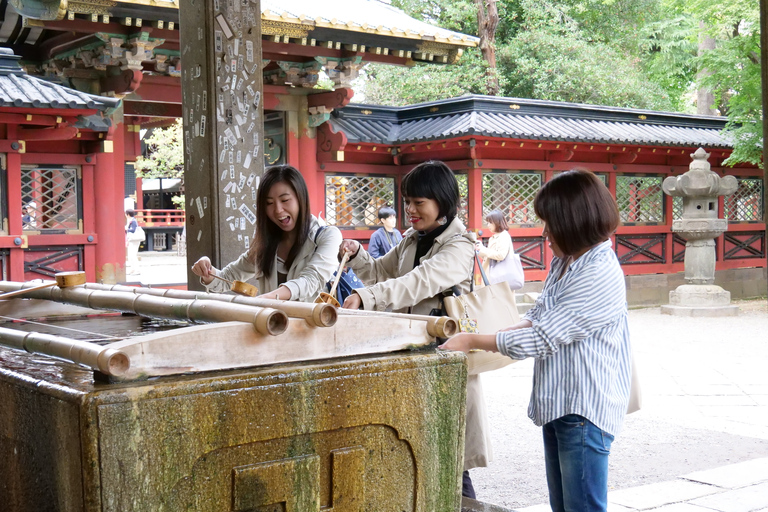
{"x": 354, "y": 201}
{"x": 512, "y": 194}
{"x": 51, "y": 199}
{"x": 463, "y": 198}
{"x": 603, "y": 177}
{"x": 640, "y": 199}
{"x": 677, "y": 208}
{"x": 746, "y": 204}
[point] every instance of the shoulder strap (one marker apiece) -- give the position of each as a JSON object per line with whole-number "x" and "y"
{"x": 317, "y": 233}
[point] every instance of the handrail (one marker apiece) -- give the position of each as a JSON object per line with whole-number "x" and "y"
{"x": 152, "y": 218}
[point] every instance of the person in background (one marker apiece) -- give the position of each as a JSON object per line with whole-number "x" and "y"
{"x": 291, "y": 255}
{"x": 500, "y": 242}
{"x": 579, "y": 336}
{"x": 386, "y": 237}
{"x": 132, "y": 243}
{"x": 436, "y": 255}
{"x": 28, "y": 220}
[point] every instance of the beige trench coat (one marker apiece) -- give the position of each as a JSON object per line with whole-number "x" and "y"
{"x": 498, "y": 249}
{"x": 311, "y": 269}
{"x": 403, "y": 288}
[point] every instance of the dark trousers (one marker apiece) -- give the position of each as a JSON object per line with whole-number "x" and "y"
{"x": 467, "y": 490}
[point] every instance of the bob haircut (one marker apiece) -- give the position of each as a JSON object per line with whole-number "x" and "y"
{"x": 268, "y": 234}
{"x": 433, "y": 180}
{"x": 496, "y": 218}
{"x": 386, "y": 212}
{"x": 578, "y": 209}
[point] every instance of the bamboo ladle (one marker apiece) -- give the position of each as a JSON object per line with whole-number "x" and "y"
{"x": 330, "y": 298}
{"x": 240, "y": 287}
{"x": 63, "y": 280}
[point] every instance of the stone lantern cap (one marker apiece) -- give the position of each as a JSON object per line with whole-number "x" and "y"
{"x": 700, "y": 180}
{"x": 699, "y": 188}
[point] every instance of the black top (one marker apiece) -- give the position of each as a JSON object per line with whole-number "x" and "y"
{"x": 425, "y": 241}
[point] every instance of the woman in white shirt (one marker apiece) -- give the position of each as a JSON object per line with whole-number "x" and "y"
{"x": 500, "y": 242}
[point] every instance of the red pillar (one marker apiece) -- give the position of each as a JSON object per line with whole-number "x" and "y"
{"x": 110, "y": 218}
{"x": 312, "y": 173}
{"x": 13, "y": 161}
{"x": 475, "y": 199}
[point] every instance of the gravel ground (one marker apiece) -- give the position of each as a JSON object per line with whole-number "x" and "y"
{"x": 705, "y": 405}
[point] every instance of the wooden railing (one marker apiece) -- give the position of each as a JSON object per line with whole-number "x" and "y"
{"x": 158, "y": 218}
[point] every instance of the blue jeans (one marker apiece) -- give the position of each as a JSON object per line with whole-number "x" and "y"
{"x": 576, "y": 454}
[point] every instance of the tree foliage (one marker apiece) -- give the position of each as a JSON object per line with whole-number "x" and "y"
{"x": 165, "y": 156}
{"x": 627, "y": 53}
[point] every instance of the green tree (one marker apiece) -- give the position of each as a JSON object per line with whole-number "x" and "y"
{"x": 165, "y": 156}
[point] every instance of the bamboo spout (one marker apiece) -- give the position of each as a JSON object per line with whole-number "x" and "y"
{"x": 318, "y": 315}
{"x": 104, "y": 359}
{"x": 266, "y": 320}
{"x": 437, "y": 326}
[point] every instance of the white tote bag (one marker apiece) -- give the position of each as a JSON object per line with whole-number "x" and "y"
{"x": 509, "y": 270}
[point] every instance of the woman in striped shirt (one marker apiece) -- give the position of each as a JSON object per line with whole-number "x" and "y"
{"x": 579, "y": 336}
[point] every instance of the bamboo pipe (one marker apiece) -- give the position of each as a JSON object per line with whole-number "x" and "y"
{"x": 62, "y": 279}
{"x": 437, "y": 326}
{"x": 266, "y": 320}
{"x": 319, "y": 315}
{"x": 102, "y": 358}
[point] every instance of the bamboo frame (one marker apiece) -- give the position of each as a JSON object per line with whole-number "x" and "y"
{"x": 266, "y": 320}
{"x": 437, "y": 326}
{"x": 318, "y": 315}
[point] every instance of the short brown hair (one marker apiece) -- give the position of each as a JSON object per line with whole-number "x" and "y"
{"x": 496, "y": 218}
{"x": 578, "y": 209}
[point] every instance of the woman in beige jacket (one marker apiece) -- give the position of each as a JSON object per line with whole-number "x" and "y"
{"x": 500, "y": 242}
{"x": 436, "y": 254}
{"x": 291, "y": 256}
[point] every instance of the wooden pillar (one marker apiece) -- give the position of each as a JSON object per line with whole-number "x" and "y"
{"x": 13, "y": 167}
{"x": 223, "y": 126}
{"x": 90, "y": 198}
{"x": 475, "y": 199}
{"x": 109, "y": 185}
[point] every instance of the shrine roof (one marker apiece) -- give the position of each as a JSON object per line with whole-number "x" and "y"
{"x": 367, "y": 16}
{"x": 18, "y": 89}
{"x": 514, "y": 118}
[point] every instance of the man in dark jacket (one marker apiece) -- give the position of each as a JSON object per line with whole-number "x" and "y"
{"x": 386, "y": 237}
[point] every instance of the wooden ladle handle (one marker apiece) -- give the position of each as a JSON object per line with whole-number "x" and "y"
{"x": 63, "y": 280}
{"x": 344, "y": 259}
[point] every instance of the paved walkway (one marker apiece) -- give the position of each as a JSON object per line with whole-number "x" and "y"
{"x": 700, "y": 442}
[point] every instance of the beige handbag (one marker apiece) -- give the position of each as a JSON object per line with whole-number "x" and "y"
{"x": 487, "y": 310}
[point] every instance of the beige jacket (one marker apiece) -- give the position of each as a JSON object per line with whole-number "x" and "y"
{"x": 405, "y": 289}
{"x": 312, "y": 268}
{"x": 498, "y": 248}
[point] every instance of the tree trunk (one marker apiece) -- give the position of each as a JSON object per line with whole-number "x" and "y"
{"x": 487, "y": 21}
{"x": 764, "y": 79}
{"x": 705, "y": 99}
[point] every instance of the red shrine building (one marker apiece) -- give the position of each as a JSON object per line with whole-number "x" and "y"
{"x": 353, "y": 156}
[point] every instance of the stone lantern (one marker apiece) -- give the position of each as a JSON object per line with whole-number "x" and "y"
{"x": 699, "y": 226}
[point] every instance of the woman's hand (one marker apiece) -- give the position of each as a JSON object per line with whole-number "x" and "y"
{"x": 349, "y": 246}
{"x": 461, "y": 342}
{"x": 204, "y": 269}
{"x": 282, "y": 293}
{"x": 464, "y": 342}
{"x": 352, "y": 302}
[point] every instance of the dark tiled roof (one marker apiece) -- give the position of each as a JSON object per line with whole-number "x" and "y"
{"x": 18, "y": 89}
{"x": 514, "y": 118}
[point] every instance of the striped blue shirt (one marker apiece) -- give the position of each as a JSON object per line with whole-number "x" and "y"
{"x": 580, "y": 339}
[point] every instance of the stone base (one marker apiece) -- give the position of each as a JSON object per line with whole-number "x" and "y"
{"x": 700, "y": 311}
{"x": 699, "y": 295}
{"x": 699, "y": 300}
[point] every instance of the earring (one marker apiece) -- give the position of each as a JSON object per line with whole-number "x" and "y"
{"x": 442, "y": 220}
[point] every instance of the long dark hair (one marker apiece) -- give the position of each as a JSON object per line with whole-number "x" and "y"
{"x": 268, "y": 234}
